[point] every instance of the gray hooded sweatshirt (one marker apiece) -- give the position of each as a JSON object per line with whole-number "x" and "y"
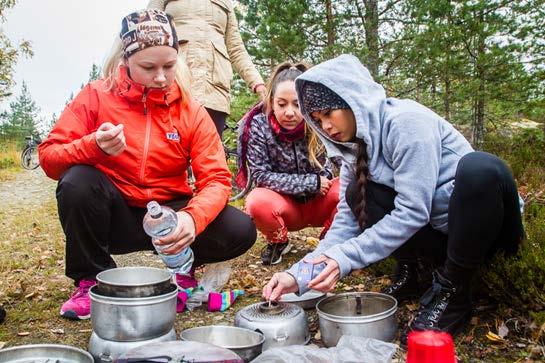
{"x": 410, "y": 148}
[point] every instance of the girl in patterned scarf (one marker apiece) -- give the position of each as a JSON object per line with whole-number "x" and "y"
{"x": 294, "y": 190}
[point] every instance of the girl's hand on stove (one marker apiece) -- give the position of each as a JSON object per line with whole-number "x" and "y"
{"x": 281, "y": 283}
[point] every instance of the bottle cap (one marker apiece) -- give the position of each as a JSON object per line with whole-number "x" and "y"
{"x": 430, "y": 347}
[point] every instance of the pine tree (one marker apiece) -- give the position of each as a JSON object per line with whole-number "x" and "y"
{"x": 22, "y": 117}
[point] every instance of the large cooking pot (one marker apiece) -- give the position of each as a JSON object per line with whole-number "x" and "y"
{"x": 132, "y": 319}
{"x": 361, "y": 314}
{"x": 246, "y": 343}
{"x": 45, "y": 353}
{"x": 133, "y": 282}
{"x": 281, "y": 324}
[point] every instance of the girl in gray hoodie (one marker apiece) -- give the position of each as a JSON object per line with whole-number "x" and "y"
{"x": 411, "y": 187}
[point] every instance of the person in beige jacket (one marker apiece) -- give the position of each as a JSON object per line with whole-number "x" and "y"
{"x": 210, "y": 45}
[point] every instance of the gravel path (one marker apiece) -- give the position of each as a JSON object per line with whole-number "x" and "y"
{"x": 32, "y": 188}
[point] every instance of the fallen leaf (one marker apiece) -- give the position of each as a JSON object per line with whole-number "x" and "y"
{"x": 57, "y": 331}
{"x": 494, "y": 337}
{"x": 85, "y": 330}
{"x": 318, "y": 336}
{"x": 312, "y": 242}
{"x": 23, "y": 333}
{"x": 503, "y": 330}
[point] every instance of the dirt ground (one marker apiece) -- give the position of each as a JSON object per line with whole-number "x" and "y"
{"x": 33, "y": 285}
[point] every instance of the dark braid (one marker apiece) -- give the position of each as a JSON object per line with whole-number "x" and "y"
{"x": 362, "y": 172}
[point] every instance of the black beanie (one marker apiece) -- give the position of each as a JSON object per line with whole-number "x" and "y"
{"x": 317, "y": 97}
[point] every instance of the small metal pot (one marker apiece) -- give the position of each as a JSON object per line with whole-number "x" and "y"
{"x": 361, "y": 314}
{"x": 246, "y": 343}
{"x": 132, "y": 319}
{"x": 133, "y": 282}
{"x": 280, "y": 323}
{"x": 107, "y": 351}
{"x": 45, "y": 353}
{"x": 307, "y": 301}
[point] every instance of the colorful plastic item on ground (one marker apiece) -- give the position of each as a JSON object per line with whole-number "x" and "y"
{"x": 430, "y": 347}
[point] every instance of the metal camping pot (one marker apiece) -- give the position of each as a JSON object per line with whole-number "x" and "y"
{"x": 133, "y": 282}
{"x": 132, "y": 319}
{"x": 107, "y": 351}
{"x": 246, "y": 343}
{"x": 281, "y": 324}
{"x": 45, "y": 353}
{"x": 361, "y": 314}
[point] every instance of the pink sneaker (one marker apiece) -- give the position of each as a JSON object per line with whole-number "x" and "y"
{"x": 79, "y": 304}
{"x": 186, "y": 281}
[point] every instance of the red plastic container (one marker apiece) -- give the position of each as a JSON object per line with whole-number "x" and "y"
{"x": 430, "y": 347}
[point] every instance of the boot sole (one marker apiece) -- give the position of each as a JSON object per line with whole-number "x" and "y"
{"x": 71, "y": 315}
{"x": 286, "y": 250}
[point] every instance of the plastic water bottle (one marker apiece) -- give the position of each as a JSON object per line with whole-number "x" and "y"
{"x": 159, "y": 222}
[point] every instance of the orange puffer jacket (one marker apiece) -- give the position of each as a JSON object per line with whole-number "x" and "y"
{"x": 162, "y": 131}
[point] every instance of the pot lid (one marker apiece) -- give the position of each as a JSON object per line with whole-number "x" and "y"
{"x": 270, "y": 312}
{"x": 180, "y": 352}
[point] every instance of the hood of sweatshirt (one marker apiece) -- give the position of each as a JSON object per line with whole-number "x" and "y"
{"x": 348, "y": 78}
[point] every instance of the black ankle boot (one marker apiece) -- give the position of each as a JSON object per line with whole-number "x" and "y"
{"x": 445, "y": 307}
{"x": 405, "y": 285}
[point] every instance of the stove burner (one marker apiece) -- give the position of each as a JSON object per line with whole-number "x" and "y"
{"x": 270, "y": 307}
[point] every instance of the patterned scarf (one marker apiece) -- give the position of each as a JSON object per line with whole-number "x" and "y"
{"x": 284, "y": 134}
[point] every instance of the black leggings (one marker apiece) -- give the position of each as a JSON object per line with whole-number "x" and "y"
{"x": 219, "y": 120}
{"x": 483, "y": 215}
{"x": 98, "y": 222}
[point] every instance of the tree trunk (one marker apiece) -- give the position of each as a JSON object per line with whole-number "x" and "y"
{"x": 371, "y": 35}
{"x": 330, "y": 23}
{"x": 478, "y": 127}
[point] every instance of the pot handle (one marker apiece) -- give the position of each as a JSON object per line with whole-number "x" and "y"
{"x": 281, "y": 338}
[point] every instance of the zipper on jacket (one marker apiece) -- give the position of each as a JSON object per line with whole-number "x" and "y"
{"x": 145, "y": 99}
{"x": 146, "y": 142}
{"x": 295, "y": 155}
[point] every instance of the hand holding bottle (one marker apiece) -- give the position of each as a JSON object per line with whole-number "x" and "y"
{"x": 182, "y": 236}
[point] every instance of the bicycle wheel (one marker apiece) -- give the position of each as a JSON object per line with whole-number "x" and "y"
{"x": 29, "y": 158}
{"x": 232, "y": 164}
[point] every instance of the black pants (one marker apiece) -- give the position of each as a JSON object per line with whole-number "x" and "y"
{"x": 483, "y": 215}
{"x": 219, "y": 119}
{"x": 98, "y": 222}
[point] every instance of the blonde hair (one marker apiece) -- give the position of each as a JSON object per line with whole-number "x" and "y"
{"x": 110, "y": 70}
{"x": 315, "y": 147}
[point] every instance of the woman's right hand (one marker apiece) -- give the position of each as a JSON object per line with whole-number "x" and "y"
{"x": 281, "y": 283}
{"x": 325, "y": 184}
{"x": 111, "y": 139}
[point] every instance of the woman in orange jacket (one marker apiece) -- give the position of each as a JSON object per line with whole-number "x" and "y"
{"x": 128, "y": 139}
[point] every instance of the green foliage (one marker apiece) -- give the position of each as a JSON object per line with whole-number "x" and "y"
{"x": 524, "y": 153}
{"x": 241, "y": 103}
{"x": 519, "y": 281}
{"x": 22, "y": 118}
{"x": 9, "y": 54}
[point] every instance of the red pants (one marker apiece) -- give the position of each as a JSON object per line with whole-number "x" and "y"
{"x": 275, "y": 214}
